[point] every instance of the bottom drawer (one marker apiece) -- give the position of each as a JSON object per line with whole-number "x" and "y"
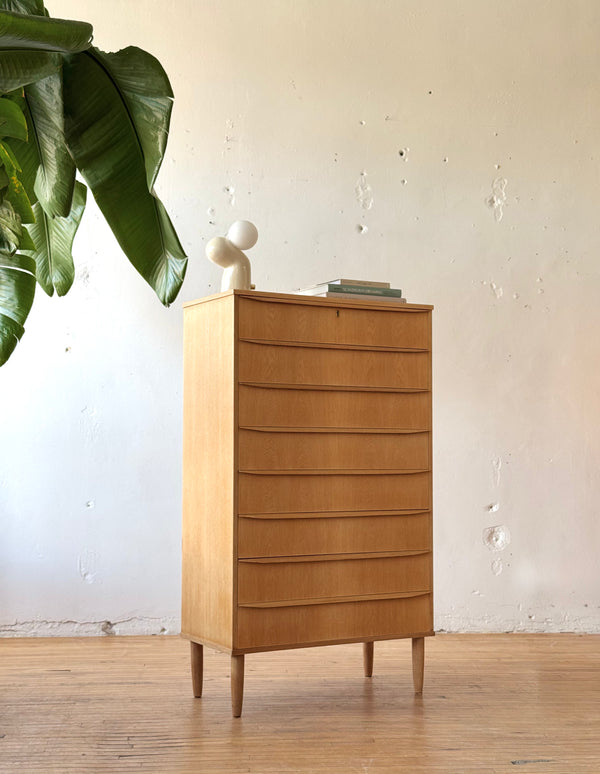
{"x": 269, "y": 627}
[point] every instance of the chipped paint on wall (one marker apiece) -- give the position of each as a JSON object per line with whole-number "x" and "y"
{"x": 497, "y": 199}
{"x": 496, "y": 538}
{"x": 363, "y": 191}
{"x": 92, "y": 628}
{"x": 86, "y": 564}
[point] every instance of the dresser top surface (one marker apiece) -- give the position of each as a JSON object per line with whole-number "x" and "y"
{"x": 296, "y": 298}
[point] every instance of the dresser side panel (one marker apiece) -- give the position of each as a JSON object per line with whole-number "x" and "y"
{"x": 209, "y": 472}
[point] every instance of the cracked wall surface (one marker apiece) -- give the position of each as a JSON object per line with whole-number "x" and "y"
{"x": 450, "y": 148}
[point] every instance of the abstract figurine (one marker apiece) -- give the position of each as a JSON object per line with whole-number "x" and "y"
{"x": 227, "y": 252}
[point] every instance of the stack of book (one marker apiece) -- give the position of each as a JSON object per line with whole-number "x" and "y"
{"x": 357, "y": 289}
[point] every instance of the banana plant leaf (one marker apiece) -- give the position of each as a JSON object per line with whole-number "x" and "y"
{"x": 53, "y": 240}
{"x": 55, "y": 176}
{"x": 107, "y": 140}
{"x": 18, "y": 68}
{"x": 12, "y": 120}
{"x": 15, "y": 192}
{"x": 145, "y": 87}
{"x": 24, "y": 6}
{"x": 24, "y": 31}
{"x": 29, "y": 44}
{"x": 10, "y": 228}
{"x": 17, "y": 289}
{"x": 17, "y": 282}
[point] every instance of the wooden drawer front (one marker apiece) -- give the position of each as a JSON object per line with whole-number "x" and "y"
{"x": 333, "y": 535}
{"x": 262, "y": 406}
{"x": 272, "y": 580}
{"x": 333, "y": 324}
{"x": 261, "y": 628}
{"x": 322, "y": 450}
{"x": 348, "y": 367}
{"x": 259, "y": 493}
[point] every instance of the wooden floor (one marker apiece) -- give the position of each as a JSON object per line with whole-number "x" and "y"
{"x": 491, "y": 703}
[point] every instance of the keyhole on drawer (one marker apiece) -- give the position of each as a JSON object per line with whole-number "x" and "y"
{"x": 337, "y": 312}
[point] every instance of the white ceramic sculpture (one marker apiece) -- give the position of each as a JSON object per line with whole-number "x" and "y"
{"x": 227, "y": 252}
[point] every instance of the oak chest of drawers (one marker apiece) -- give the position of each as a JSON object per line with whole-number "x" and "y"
{"x": 307, "y": 489}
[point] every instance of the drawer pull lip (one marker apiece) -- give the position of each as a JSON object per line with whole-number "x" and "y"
{"x": 293, "y": 297}
{"x": 333, "y": 430}
{"x": 334, "y": 514}
{"x": 334, "y": 557}
{"x": 333, "y": 345}
{"x": 337, "y": 472}
{"x": 336, "y": 600}
{"x": 331, "y": 387}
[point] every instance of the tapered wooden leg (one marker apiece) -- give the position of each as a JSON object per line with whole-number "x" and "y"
{"x": 197, "y": 653}
{"x": 237, "y": 684}
{"x": 368, "y": 658}
{"x": 418, "y": 662}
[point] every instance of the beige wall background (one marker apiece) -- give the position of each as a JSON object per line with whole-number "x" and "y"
{"x": 448, "y": 146}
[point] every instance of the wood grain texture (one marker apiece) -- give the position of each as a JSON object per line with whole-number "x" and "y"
{"x": 336, "y": 621}
{"x": 334, "y": 323}
{"x": 368, "y": 656}
{"x": 197, "y": 664}
{"x": 308, "y": 429}
{"x": 354, "y": 368}
{"x": 123, "y": 704}
{"x": 237, "y": 685}
{"x": 282, "y": 493}
{"x": 345, "y": 450}
{"x": 418, "y": 663}
{"x": 266, "y": 406}
{"x": 338, "y": 576}
{"x": 208, "y": 562}
{"x": 339, "y": 533}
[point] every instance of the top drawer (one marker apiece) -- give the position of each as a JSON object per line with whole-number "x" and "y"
{"x": 333, "y": 324}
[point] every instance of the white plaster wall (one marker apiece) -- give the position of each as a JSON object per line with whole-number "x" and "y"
{"x": 293, "y": 113}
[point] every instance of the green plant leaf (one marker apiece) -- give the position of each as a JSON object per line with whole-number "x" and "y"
{"x": 10, "y": 228}
{"x": 53, "y": 242}
{"x": 25, "y": 153}
{"x": 24, "y": 6}
{"x": 55, "y": 176}
{"x": 17, "y": 289}
{"x": 12, "y": 120}
{"x": 15, "y": 192}
{"x": 145, "y": 87}
{"x": 24, "y": 31}
{"x": 106, "y": 143}
{"x": 18, "y": 68}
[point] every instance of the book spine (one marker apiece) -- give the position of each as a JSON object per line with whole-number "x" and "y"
{"x": 359, "y": 296}
{"x": 365, "y": 290}
{"x": 361, "y": 283}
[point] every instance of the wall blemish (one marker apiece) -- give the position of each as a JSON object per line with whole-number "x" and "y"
{"x": 497, "y": 467}
{"x": 230, "y": 191}
{"x": 496, "y": 290}
{"x": 497, "y": 199}
{"x": 496, "y": 538}
{"x": 363, "y": 191}
{"x": 497, "y": 566}
{"x": 86, "y": 564}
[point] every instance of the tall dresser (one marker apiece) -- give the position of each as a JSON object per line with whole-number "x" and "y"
{"x": 307, "y": 483}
